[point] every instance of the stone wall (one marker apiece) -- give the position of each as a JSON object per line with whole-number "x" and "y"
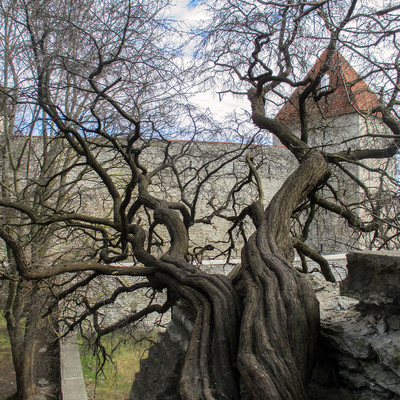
{"x": 192, "y": 162}
{"x": 358, "y": 353}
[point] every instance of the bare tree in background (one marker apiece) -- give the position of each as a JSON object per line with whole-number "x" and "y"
{"x": 35, "y": 164}
{"x": 258, "y": 328}
{"x": 58, "y": 215}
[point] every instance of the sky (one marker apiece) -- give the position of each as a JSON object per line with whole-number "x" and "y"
{"x": 190, "y": 13}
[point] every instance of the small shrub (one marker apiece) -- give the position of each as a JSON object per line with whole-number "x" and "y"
{"x": 115, "y": 379}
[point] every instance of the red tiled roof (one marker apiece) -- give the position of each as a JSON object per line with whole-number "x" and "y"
{"x": 351, "y": 94}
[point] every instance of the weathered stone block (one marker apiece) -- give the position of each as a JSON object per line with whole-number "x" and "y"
{"x": 159, "y": 373}
{"x": 373, "y": 278}
{"x": 359, "y": 352}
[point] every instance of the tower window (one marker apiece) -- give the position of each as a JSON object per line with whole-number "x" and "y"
{"x": 325, "y": 82}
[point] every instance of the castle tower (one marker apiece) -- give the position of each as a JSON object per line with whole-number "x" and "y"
{"x": 341, "y": 116}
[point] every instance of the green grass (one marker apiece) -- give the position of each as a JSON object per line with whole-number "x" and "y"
{"x": 116, "y": 380}
{"x": 7, "y": 374}
{"x": 4, "y": 339}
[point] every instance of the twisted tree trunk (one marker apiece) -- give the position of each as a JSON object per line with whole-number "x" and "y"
{"x": 266, "y": 342}
{"x": 280, "y": 312}
{"x": 209, "y": 371}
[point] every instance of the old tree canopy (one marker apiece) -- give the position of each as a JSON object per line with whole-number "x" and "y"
{"x": 90, "y": 89}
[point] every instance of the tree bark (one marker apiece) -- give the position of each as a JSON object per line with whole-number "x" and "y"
{"x": 209, "y": 371}
{"x": 23, "y": 338}
{"x": 26, "y": 338}
{"x": 281, "y": 314}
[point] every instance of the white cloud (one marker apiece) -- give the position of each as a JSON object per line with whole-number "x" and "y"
{"x": 219, "y": 106}
{"x": 181, "y": 12}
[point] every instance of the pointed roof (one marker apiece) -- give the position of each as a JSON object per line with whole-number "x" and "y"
{"x": 351, "y": 93}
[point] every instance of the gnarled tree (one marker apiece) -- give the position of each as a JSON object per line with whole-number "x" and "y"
{"x": 264, "y": 47}
{"x": 254, "y": 334}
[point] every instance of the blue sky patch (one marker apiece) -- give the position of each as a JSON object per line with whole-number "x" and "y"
{"x": 193, "y": 3}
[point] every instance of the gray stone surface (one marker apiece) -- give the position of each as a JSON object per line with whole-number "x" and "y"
{"x": 72, "y": 382}
{"x": 159, "y": 372}
{"x": 374, "y": 278}
{"x": 358, "y": 353}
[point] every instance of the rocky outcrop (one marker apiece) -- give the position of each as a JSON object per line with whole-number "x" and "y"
{"x": 159, "y": 372}
{"x": 374, "y": 279}
{"x": 358, "y": 354}
{"x": 359, "y": 347}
